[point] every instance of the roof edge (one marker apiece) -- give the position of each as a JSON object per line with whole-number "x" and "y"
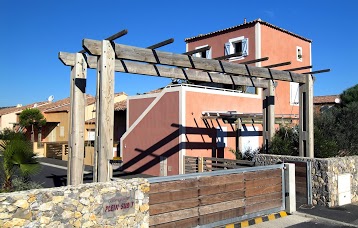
{"x": 247, "y": 24}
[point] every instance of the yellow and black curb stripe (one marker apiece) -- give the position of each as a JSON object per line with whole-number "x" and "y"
{"x": 257, "y": 220}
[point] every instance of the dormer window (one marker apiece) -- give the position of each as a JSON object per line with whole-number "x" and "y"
{"x": 204, "y": 54}
{"x": 238, "y": 45}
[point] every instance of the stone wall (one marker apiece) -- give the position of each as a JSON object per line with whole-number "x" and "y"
{"x": 325, "y": 173}
{"x": 122, "y": 203}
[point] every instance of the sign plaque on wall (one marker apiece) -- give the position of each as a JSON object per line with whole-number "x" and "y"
{"x": 118, "y": 204}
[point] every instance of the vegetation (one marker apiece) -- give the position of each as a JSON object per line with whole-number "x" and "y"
{"x": 18, "y": 162}
{"x": 32, "y": 117}
{"x": 335, "y": 130}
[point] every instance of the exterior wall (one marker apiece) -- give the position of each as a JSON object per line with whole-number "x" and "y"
{"x": 90, "y": 111}
{"x": 87, "y": 205}
{"x": 56, "y": 121}
{"x": 200, "y": 137}
{"x": 281, "y": 47}
{"x": 136, "y": 106}
{"x": 325, "y": 173}
{"x": 154, "y": 134}
{"x": 7, "y": 121}
{"x": 217, "y": 42}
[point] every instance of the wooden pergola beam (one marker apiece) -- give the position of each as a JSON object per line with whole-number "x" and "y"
{"x": 167, "y": 72}
{"x": 299, "y": 68}
{"x": 228, "y": 56}
{"x": 111, "y": 38}
{"x": 179, "y": 60}
{"x": 161, "y": 44}
{"x": 278, "y": 65}
{"x": 255, "y": 60}
{"x": 197, "y": 50}
{"x": 318, "y": 71}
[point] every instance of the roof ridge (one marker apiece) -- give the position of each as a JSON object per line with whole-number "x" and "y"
{"x": 259, "y": 20}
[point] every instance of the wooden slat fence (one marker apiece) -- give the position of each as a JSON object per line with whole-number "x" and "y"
{"x": 54, "y": 150}
{"x": 207, "y": 164}
{"x": 199, "y": 200}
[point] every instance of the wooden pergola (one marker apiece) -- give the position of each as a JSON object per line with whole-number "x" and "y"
{"x": 109, "y": 57}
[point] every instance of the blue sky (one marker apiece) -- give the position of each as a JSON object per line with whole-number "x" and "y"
{"x": 33, "y": 32}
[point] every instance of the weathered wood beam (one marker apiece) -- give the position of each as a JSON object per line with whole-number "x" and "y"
{"x": 255, "y": 60}
{"x": 161, "y": 44}
{"x": 299, "y": 68}
{"x": 268, "y": 114}
{"x": 228, "y": 56}
{"x": 179, "y": 60}
{"x": 197, "y": 50}
{"x": 111, "y": 38}
{"x": 318, "y": 71}
{"x": 105, "y": 111}
{"x": 278, "y": 65}
{"x": 117, "y": 35}
{"x": 306, "y": 133}
{"x": 77, "y": 123}
{"x": 169, "y": 72}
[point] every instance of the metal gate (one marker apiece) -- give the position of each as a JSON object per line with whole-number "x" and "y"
{"x": 303, "y": 178}
{"x": 212, "y": 199}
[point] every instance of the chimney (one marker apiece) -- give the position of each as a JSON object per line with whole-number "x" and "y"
{"x": 244, "y": 20}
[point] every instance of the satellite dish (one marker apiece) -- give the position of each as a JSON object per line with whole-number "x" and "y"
{"x": 337, "y": 100}
{"x": 50, "y": 98}
{"x": 35, "y": 105}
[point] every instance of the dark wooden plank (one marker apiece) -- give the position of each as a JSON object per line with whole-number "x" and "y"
{"x": 163, "y": 197}
{"x": 213, "y": 208}
{"x": 222, "y": 179}
{"x": 301, "y": 169}
{"x": 263, "y": 190}
{"x": 215, "y": 189}
{"x": 263, "y": 182}
{"x": 173, "y": 216}
{"x": 222, "y": 215}
{"x": 263, "y": 206}
{"x": 185, "y": 223}
{"x": 263, "y": 174}
{"x": 210, "y": 160}
{"x": 173, "y": 185}
{"x": 217, "y": 198}
{"x": 263, "y": 198}
{"x": 173, "y": 206}
{"x": 302, "y": 190}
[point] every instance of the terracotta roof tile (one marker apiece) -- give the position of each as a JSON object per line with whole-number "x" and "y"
{"x": 120, "y": 106}
{"x": 250, "y": 23}
{"x": 325, "y": 99}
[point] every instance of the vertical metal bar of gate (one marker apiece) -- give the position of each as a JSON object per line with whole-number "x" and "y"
{"x": 309, "y": 182}
{"x": 283, "y": 206}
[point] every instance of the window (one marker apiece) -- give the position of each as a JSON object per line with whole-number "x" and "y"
{"x": 204, "y": 54}
{"x": 237, "y": 45}
{"x": 299, "y": 53}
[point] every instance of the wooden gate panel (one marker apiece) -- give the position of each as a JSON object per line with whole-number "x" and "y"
{"x": 210, "y": 198}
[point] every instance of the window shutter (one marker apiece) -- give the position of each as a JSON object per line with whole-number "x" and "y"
{"x": 227, "y": 48}
{"x": 294, "y": 92}
{"x": 245, "y": 47}
{"x": 208, "y": 54}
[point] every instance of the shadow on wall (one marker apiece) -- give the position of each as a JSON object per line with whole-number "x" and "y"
{"x": 208, "y": 131}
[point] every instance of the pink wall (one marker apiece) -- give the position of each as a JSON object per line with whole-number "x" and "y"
{"x": 137, "y": 107}
{"x": 217, "y": 43}
{"x": 281, "y": 47}
{"x": 201, "y": 137}
{"x": 155, "y": 135}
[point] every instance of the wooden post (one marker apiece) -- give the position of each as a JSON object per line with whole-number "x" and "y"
{"x": 268, "y": 114}
{"x": 95, "y": 152}
{"x": 238, "y": 134}
{"x": 77, "y": 121}
{"x": 200, "y": 164}
{"x": 105, "y": 110}
{"x": 306, "y": 140}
